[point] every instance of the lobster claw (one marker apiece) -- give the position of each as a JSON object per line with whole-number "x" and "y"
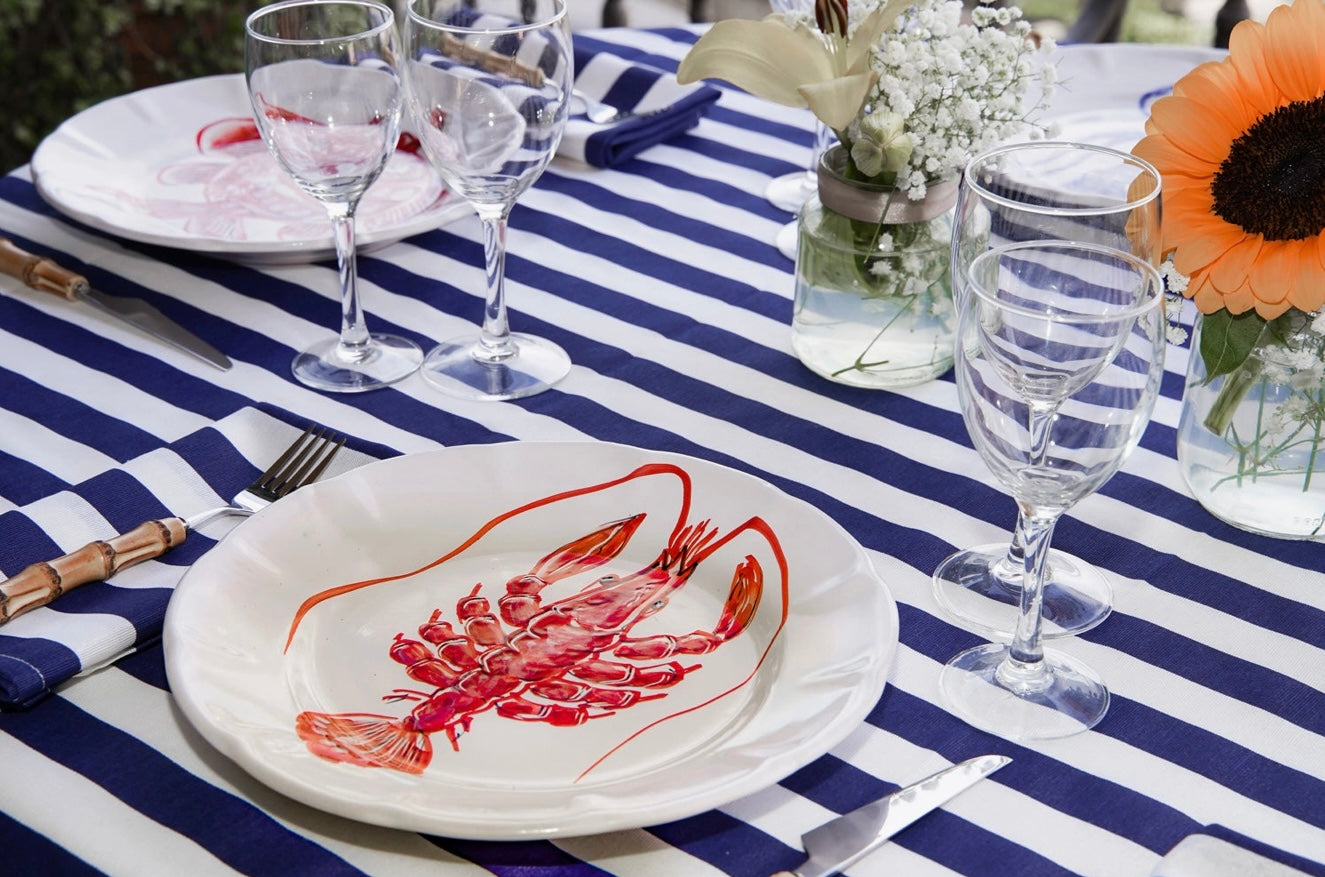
{"x": 588, "y": 551}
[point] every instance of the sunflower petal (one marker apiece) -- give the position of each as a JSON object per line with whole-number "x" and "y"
{"x": 1167, "y": 158}
{"x": 1232, "y": 268}
{"x": 1203, "y": 293}
{"x": 1308, "y": 292}
{"x": 1247, "y": 52}
{"x": 1297, "y": 62}
{"x": 1273, "y": 273}
{"x": 1186, "y": 123}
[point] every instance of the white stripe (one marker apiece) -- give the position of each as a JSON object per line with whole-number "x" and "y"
{"x": 63, "y": 458}
{"x": 92, "y": 824}
{"x": 636, "y": 854}
{"x": 147, "y": 713}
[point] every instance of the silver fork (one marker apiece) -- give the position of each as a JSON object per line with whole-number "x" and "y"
{"x": 302, "y": 463}
{"x": 605, "y": 114}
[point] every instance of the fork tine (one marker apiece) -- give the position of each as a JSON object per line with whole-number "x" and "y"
{"x": 315, "y": 464}
{"x": 302, "y": 462}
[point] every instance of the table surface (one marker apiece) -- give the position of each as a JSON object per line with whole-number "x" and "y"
{"x": 662, "y": 280}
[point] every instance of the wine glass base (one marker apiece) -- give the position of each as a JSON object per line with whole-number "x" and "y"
{"x": 789, "y": 192}
{"x": 387, "y": 359}
{"x": 1016, "y": 702}
{"x": 461, "y": 368}
{"x": 981, "y": 592}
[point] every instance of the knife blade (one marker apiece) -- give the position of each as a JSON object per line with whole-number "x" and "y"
{"x": 44, "y": 275}
{"x": 841, "y": 842}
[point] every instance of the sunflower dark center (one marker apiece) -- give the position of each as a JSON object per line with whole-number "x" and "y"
{"x": 1273, "y": 181}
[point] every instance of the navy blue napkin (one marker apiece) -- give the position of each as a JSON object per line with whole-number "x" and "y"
{"x": 625, "y": 85}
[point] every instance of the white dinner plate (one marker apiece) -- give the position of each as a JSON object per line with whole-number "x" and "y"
{"x": 181, "y": 165}
{"x": 288, "y": 644}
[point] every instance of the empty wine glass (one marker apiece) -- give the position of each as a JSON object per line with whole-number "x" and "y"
{"x": 1060, "y": 352}
{"x": 1042, "y": 190}
{"x": 489, "y": 94}
{"x": 327, "y": 99}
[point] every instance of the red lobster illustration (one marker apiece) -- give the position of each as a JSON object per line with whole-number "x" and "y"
{"x": 549, "y": 663}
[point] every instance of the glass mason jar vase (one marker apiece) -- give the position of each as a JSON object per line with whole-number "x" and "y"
{"x": 873, "y": 304}
{"x": 1251, "y": 443}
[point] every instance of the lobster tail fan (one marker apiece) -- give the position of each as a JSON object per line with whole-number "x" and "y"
{"x": 365, "y": 740}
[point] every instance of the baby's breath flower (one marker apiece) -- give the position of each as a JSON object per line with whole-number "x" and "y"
{"x": 961, "y": 85}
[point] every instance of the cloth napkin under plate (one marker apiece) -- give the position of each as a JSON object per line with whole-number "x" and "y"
{"x": 625, "y": 85}
{"x": 99, "y": 622}
{"x": 1221, "y": 852}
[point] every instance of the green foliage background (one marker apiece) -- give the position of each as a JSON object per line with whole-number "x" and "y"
{"x": 58, "y": 57}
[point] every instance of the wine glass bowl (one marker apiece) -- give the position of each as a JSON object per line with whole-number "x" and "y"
{"x": 327, "y": 102}
{"x": 489, "y": 96}
{"x": 1024, "y": 193}
{"x": 1059, "y": 356}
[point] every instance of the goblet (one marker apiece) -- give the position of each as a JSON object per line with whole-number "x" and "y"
{"x": 327, "y": 100}
{"x": 489, "y": 96}
{"x": 1042, "y": 190}
{"x": 1059, "y": 356}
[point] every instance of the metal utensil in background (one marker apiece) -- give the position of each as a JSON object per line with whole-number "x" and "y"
{"x": 839, "y": 844}
{"x": 46, "y": 276}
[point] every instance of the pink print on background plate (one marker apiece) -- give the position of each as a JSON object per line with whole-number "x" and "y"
{"x": 233, "y": 190}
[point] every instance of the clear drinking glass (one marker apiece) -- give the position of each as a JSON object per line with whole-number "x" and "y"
{"x": 327, "y": 99}
{"x": 1036, "y": 191}
{"x": 1060, "y": 352}
{"x": 489, "y": 86}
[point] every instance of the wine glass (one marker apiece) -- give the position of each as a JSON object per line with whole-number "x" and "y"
{"x": 790, "y": 191}
{"x": 488, "y": 91}
{"x": 327, "y": 100}
{"x": 1042, "y": 190}
{"x": 1059, "y": 356}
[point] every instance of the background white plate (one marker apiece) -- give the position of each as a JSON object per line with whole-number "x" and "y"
{"x": 762, "y": 705}
{"x": 142, "y": 166}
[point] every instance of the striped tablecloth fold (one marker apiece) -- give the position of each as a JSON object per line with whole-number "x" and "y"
{"x": 93, "y": 625}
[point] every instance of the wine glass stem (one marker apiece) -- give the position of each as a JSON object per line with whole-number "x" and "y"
{"x": 495, "y": 343}
{"x": 355, "y": 344}
{"x": 1024, "y": 670}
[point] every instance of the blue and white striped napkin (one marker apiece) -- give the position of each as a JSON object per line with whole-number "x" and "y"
{"x": 613, "y": 80}
{"x": 99, "y": 622}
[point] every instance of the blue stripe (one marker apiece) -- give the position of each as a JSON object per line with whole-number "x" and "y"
{"x": 1165, "y": 737}
{"x": 522, "y": 859}
{"x": 1114, "y": 808}
{"x": 841, "y": 787}
{"x": 728, "y": 844}
{"x": 31, "y": 854}
{"x": 236, "y": 831}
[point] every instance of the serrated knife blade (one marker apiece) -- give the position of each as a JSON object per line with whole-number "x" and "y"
{"x": 841, "y": 842}
{"x": 44, "y": 275}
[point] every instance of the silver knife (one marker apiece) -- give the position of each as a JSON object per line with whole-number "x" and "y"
{"x": 839, "y": 844}
{"x": 46, "y": 276}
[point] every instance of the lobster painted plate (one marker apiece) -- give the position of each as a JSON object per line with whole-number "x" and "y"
{"x": 528, "y": 640}
{"x": 181, "y": 165}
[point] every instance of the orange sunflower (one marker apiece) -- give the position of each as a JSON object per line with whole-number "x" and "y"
{"x": 1241, "y": 147}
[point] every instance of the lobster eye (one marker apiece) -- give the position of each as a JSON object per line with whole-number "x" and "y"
{"x": 657, "y": 604}
{"x": 607, "y": 579}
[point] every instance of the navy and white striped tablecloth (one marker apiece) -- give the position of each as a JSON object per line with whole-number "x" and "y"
{"x": 662, "y": 280}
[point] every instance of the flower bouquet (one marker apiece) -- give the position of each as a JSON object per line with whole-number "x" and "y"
{"x": 1240, "y": 150}
{"x": 911, "y": 89}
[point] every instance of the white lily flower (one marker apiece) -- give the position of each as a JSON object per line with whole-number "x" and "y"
{"x": 829, "y": 72}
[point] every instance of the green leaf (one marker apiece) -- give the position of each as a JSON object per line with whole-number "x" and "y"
{"x": 1226, "y": 340}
